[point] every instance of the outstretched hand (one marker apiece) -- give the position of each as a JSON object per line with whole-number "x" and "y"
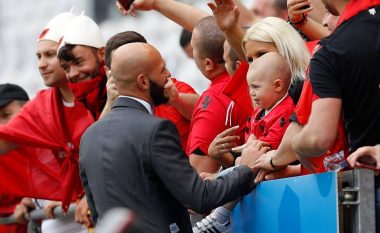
{"x": 366, "y": 157}
{"x": 141, "y": 5}
{"x": 226, "y": 13}
{"x": 223, "y": 143}
{"x": 253, "y": 150}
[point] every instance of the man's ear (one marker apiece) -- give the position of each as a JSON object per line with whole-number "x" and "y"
{"x": 108, "y": 72}
{"x": 142, "y": 82}
{"x": 237, "y": 64}
{"x": 100, "y": 54}
{"x": 278, "y": 85}
{"x": 209, "y": 64}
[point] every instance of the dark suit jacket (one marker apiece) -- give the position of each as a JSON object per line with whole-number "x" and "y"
{"x": 135, "y": 160}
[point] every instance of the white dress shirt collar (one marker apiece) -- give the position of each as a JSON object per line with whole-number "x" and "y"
{"x": 143, "y": 102}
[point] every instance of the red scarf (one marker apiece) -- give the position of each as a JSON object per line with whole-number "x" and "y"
{"x": 92, "y": 93}
{"x": 41, "y": 123}
{"x": 354, "y": 7}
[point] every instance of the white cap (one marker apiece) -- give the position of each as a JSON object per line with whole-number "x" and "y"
{"x": 82, "y": 30}
{"x": 55, "y": 28}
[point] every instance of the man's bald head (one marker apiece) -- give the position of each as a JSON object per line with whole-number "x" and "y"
{"x": 140, "y": 71}
{"x": 131, "y": 60}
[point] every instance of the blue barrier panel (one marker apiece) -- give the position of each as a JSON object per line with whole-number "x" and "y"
{"x": 304, "y": 204}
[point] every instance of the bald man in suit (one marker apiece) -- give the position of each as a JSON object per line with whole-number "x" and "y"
{"x": 135, "y": 160}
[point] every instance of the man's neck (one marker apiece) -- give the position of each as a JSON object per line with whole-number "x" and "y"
{"x": 216, "y": 74}
{"x": 341, "y": 5}
{"x": 66, "y": 94}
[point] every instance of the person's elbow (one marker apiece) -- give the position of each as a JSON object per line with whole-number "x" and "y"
{"x": 317, "y": 144}
{"x": 322, "y": 144}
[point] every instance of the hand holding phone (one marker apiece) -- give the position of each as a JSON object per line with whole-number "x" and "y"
{"x": 297, "y": 10}
{"x": 126, "y": 3}
{"x": 305, "y": 7}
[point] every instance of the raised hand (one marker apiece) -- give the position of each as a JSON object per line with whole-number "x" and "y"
{"x": 223, "y": 143}
{"x": 297, "y": 9}
{"x": 141, "y": 5}
{"x": 112, "y": 92}
{"x": 171, "y": 91}
{"x": 226, "y": 13}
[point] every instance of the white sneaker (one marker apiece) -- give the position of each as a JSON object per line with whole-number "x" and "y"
{"x": 210, "y": 225}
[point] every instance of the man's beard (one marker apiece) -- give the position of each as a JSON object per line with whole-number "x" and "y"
{"x": 157, "y": 93}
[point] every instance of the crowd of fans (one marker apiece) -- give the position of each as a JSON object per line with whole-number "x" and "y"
{"x": 294, "y": 90}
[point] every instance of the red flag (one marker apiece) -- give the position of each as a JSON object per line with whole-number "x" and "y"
{"x": 31, "y": 172}
{"x": 237, "y": 89}
{"x": 44, "y": 123}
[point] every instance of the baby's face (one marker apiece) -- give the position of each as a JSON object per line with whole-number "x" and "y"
{"x": 262, "y": 91}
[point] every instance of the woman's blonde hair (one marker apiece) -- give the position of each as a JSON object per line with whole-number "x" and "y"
{"x": 287, "y": 41}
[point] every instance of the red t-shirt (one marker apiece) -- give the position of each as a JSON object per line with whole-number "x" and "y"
{"x": 7, "y": 206}
{"x": 303, "y": 111}
{"x": 171, "y": 113}
{"x": 271, "y": 128}
{"x": 214, "y": 113}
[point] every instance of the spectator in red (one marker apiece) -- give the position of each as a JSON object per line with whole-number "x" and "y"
{"x": 12, "y": 99}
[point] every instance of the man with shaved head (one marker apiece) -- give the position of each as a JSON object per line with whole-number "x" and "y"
{"x": 132, "y": 159}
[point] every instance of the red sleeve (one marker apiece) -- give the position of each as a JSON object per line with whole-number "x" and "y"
{"x": 303, "y": 108}
{"x": 183, "y": 87}
{"x": 207, "y": 122}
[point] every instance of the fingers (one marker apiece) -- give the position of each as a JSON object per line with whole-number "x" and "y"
{"x": 132, "y": 10}
{"x": 238, "y": 149}
{"x": 219, "y": 2}
{"x": 207, "y": 175}
{"x": 108, "y": 74}
{"x": 169, "y": 83}
{"x": 21, "y": 214}
{"x": 121, "y": 8}
{"x": 301, "y": 8}
{"x": 81, "y": 216}
{"x": 212, "y": 6}
{"x": 238, "y": 160}
{"x": 292, "y": 3}
{"x": 228, "y": 131}
{"x": 49, "y": 209}
{"x": 260, "y": 163}
{"x": 28, "y": 202}
{"x": 261, "y": 176}
{"x": 251, "y": 138}
{"x": 228, "y": 140}
{"x": 362, "y": 151}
